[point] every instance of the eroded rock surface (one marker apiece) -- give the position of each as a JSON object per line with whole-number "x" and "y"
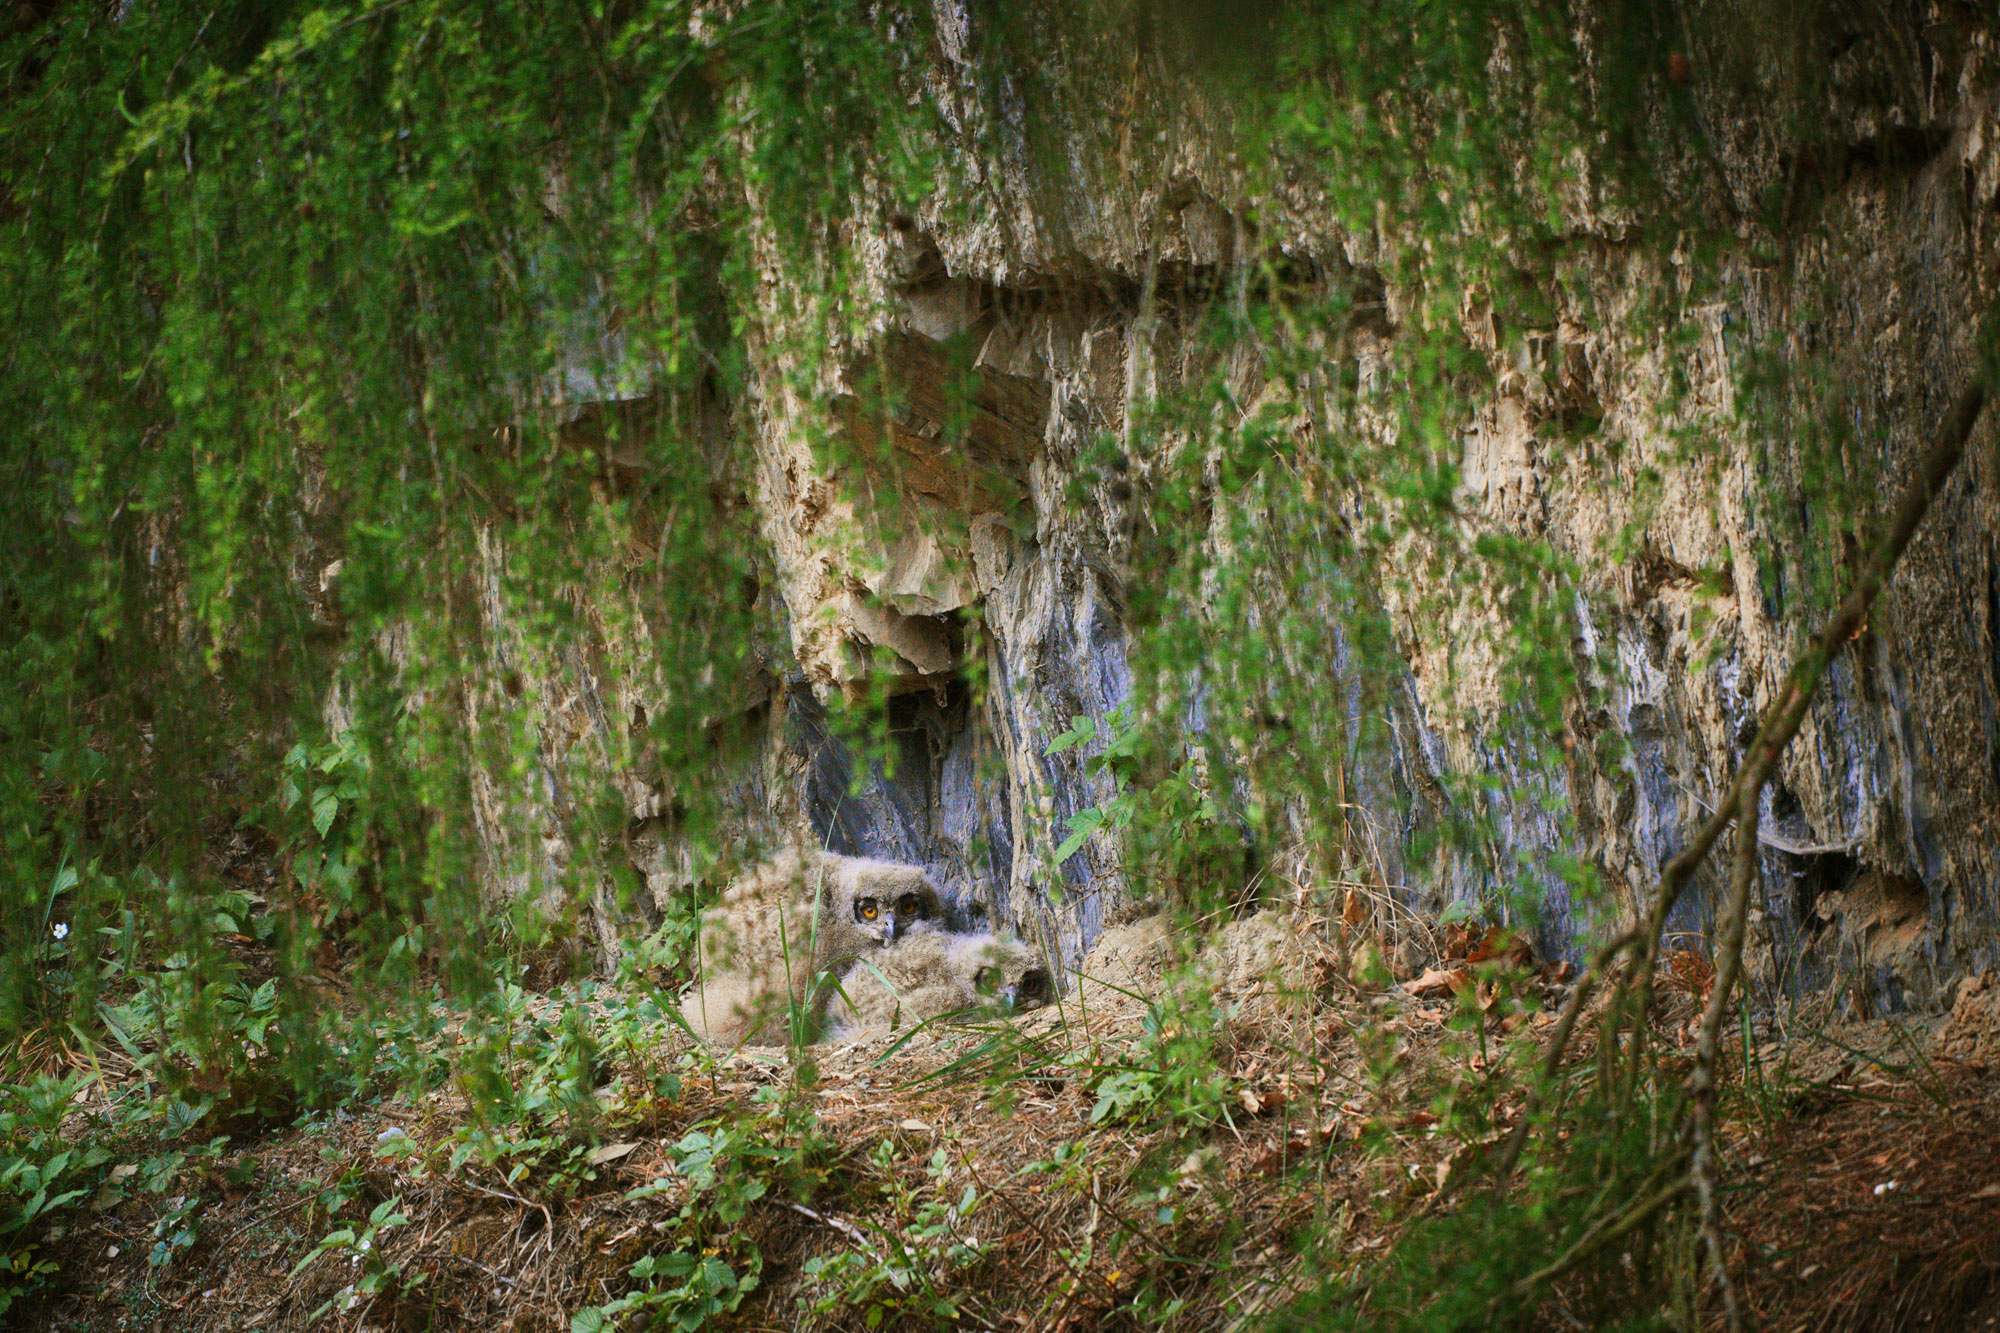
{"x": 1972, "y": 1034}
{"x": 973, "y": 558}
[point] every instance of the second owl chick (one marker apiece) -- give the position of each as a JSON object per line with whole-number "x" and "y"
{"x": 1004, "y": 971}
{"x": 931, "y": 974}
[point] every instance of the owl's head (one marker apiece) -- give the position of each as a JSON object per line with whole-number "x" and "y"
{"x": 1008, "y": 974}
{"x": 914, "y": 908}
{"x": 890, "y": 915}
{"x": 880, "y": 900}
{"x": 1028, "y": 991}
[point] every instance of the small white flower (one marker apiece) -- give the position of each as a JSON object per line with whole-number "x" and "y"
{"x": 61, "y": 930}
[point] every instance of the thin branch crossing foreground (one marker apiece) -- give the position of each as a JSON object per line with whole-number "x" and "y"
{"x": 1741, "y": 805}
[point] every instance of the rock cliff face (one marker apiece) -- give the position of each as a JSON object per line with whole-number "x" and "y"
{"x": 962, "y": 565}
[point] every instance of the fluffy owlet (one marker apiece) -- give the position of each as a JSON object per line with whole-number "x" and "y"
{"x": 1004, "y": 972}
{"x": 930, "y": 974}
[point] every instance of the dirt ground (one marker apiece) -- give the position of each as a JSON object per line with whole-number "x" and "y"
{"x": 1871, "y": 1200}
{"x": 1863, "y": 1181}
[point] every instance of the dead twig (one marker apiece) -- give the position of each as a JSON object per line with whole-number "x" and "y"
{"x": 496, "y": 1275}
{"x": 548, "y": 1221}
{"x": 847, "y": 1229}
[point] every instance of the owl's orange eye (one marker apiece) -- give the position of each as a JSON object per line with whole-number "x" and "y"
{"x": 867, "y": 909}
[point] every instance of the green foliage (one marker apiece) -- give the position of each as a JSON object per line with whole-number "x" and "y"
{"x": 41, "y": 1177}
{"x": 1477, "y": 1265}
{"x": 920, "y": 1256}
{"x": 300, "y": 327}
{"x": 529, "y": 1061}
{"x": 1171, "y": 1075}
{"x": 319, "y": 786}
{"x": 711, "y": 1263}
{"x": 370, "y": 410}
{"x": 1302, "y": 528}
{"x": 175, "y": 1230}
{"x": 1115, "y": 760}
{"x": 56, "y": 1160}
{"x": 376, "y": 1276}
{"x": 1164, "y": 817}
{"x": 310, "y": 526}
{"x": 215, "y": 1040}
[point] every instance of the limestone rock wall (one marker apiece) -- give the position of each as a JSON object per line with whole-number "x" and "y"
{"x": 969, "y": 556}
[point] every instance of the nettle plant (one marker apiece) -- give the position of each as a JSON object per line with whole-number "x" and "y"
{"x": 1166, "y": 821}
{"x": 376, "y": 1276}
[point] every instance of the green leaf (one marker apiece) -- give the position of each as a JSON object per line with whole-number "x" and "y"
{"x": 342, "y": 1237}
{"x": 315, "y": 27}
{"x": 1082, "y": 825}
{"x": 325, "y": 806}
{"x": 1081, "y": 729}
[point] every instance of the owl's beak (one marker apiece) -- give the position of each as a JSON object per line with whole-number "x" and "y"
{"x": 892, "y": 929}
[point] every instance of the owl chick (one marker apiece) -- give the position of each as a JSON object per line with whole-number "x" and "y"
{"x": 930, "y": 974}
{"x": 783, "y": 925}
{"x": 1004, "y": 971}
